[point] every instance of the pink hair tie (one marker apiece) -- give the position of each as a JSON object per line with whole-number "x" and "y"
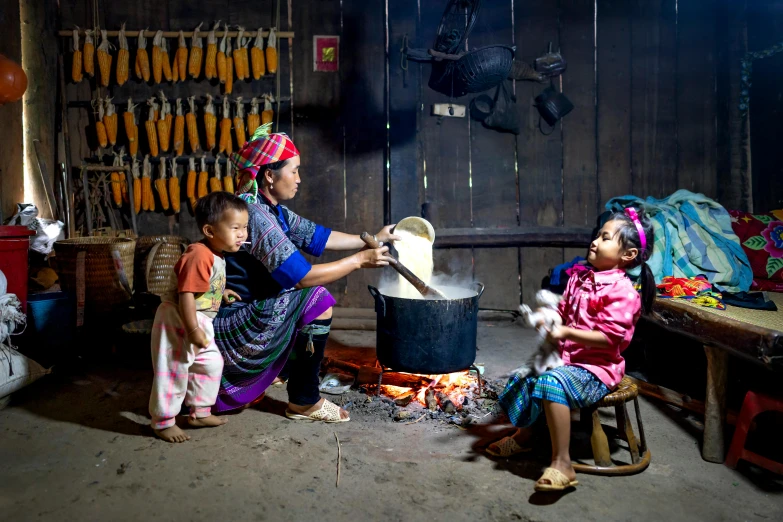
{"x": 631, "y": 213}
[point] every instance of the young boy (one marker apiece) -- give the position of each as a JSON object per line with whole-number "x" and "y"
{"x": 185, "y": 358}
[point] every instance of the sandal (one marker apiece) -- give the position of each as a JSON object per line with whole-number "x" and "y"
{"x": 558, "y": 481}
{"x": 328, "y": 412}
{"x": 507, "y": 447}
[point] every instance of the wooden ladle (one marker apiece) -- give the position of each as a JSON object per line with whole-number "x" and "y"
{"x": 421, "y": 286}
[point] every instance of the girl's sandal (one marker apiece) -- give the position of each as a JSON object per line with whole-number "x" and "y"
{"x": 328, "y": 412}
{"x": 557, "y": 481}
{"x": 507, "y": 447}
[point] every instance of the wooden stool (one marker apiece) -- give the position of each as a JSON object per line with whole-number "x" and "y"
{"x": 753, "y": 404}
{"x": 640, "y": 454}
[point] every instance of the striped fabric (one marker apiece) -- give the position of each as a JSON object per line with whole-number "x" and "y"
{"x": 263, "y": 148}
{"x": 572, "y": 386}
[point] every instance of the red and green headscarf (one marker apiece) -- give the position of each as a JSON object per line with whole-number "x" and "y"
{"x": 262, "y": 149}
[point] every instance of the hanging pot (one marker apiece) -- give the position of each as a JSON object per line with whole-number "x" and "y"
{"x": 13, "y": 80}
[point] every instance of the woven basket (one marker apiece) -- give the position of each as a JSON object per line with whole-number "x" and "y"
{"x": 155, "y": 260}
{"x": 103, "y": 286}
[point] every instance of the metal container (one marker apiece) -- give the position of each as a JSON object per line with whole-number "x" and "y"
{"x": 427, "y": 336}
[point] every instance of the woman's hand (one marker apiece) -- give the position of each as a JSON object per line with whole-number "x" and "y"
{"x": 386, "y": 236}
{"x": 229, "y": 296}
{"x": 374, "y": 257}
{"x": 199, "y": 338}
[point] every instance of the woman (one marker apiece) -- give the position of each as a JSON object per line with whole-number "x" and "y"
{"x": 280, "y": 293}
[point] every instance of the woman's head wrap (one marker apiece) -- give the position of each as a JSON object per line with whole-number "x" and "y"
{"x": 262, "y": 149}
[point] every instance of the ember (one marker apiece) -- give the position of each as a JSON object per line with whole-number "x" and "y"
{"x": 447, "y": 392}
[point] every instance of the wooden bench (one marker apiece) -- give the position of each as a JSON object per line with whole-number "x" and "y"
{"x": 754, "y": 335}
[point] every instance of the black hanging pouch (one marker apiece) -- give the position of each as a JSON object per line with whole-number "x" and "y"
{"x": 504, "y": 116}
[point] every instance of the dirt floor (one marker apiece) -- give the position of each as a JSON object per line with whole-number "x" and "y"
{"x": 76, "y": 446}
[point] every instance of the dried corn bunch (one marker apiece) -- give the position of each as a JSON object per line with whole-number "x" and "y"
{"x": 147, "y": 199}
{"x": 221, "y": 57}
{"x": 257, "y": 56}
{"x": 163, "y": 124}
{"x": 110, "y": 121}
{"x": 131, "y": 129}
{"x": 210, "y": 61}
{"x": 239, "y": 123}
{"x": 179, "y": 129}
{"x": 174, "y": 187}
{"x": 104, "y": 58}
{"x": 137, "y": 192}
{"x": 123, "y": 58}
{"x": 76, "y": 65}
{"x": 202, "y": 180}
{"x": 182, "y": 57}
{"x": 190, "y": 188}
{"x": 190, "y": 119}
{"x": 196, "y": 52}
{"x": 88, "y": 54}
{"x": 210, "y": 122}
{"x": 268, "y": 114}
{"x": 157, "y": 57}
{"x": 142, "y": 58}
{"x": 215, "y": 184}
{"x": 228, "y": 179}
{"x": 254, "y": 117}
{"x": 100, "y": 128}
{"x": 226, "y": 144}
{"x": 228, "y": 87}
{"x": 271, "y": 52}
{"x": 161, "y": 185}
{"x": 116, "y": 190}
{"x": 149, "y": 126}
{"x": 239, "y": 62}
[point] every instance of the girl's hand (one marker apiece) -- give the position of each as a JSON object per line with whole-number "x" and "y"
{"x": 199, "y": 338}
{"x": 374, "y": 257}
{"x": 229, "y": 296}
{"x": 557, "y": 334}
{"x": 385, "y": 235}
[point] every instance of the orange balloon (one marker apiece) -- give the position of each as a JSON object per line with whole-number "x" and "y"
{"x": 13, "y": 81}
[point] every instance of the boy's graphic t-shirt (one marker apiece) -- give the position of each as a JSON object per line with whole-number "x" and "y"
{"x": 204, "y": 274}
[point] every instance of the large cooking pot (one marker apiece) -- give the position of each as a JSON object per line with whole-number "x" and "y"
{"x": 428, "y": 336}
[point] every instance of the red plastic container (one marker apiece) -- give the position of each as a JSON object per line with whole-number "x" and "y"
{"x": 14, "y": 244}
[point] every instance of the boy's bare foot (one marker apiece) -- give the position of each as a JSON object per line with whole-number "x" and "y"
{"x": 207, "y": 422}
{"x": 172, "y": 434}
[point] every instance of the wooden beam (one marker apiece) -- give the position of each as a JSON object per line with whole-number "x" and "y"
{"x": 512, "y": 237}
{"x": 187, "y": 34}
{"x": 676, "y": 398}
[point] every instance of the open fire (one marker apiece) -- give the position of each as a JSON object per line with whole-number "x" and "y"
{"x": 448, "y": 392}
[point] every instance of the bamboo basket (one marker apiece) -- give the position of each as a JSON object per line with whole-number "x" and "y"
{"x": 155, "y": 260}
{"x": 103, "y": 280}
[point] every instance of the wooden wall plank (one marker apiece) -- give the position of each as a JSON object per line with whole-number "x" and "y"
{"x": 74, "y": 12}
{"x": 155, "y": 14}
{"x": 11, "y": 146}
{"x": 252, "y": 14}
{"x": 653, "y": 98}
{"x": 540, "y": 156}
{"x": 614, "y": 99}
{"x": 696, "y": 97}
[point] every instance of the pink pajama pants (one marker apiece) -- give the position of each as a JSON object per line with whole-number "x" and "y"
{"x": 183, "y": 372}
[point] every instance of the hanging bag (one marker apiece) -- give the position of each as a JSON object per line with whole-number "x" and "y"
{"x": 504, "y": 116}
{"x": 552, "y": 106}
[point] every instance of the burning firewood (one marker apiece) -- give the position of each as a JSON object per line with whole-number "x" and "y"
{"x": 405, "y": 399}
{"x": 445, "y": 403}
{"x": 370, "y": 375}
{"x": 429, "y": 399}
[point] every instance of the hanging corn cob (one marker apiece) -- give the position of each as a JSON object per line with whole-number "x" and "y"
{"x": 149, "y": 126}
{"x": 174, "y": 68}
{"x": 161, "y": 185}
{"x": 174, "y": 187}
{"x": 238, "y": 62}
{"x": 254, "y": 118}
{"x": 147, "y": 199}
{"x": 100, "y": 128}
{"x": 239, "y": 123}
{"x": 137, "y": 192}
{"x": 210, "y": 62}
{"x": 163, "y": 124}
{"x": 104, "y": 58}
{"x": 131, "y": 129}
{"x": 157, "y": 57}
{"x": 244, "y": 55}
{"x": 76, "y": 65}
{"x": 210, "y": 122}
{"x": 190, "y": 119}
{"x": 257, "y": 56}
{"x": 196, "y": 53}
{"x": 228, "y": 180}
{"x": 182, "y": 57}
{"x": 123, "y": 58}
{"x": 116, "y": 190}
{"x": 166, "y": 61}
{"x": 229, "y": 85}
{"x": 271, "y": 52}
{"x": 190, "y": 188}
{"x": 88, "y": 54}
{"x": 110, "y": 121}
{"x": 179, "y": 129}
{"x": 142, "y": 58}
{"x": 123, "y": 178}
{"x": 202, "y": 180}
{"x": 215, "y": 184}
{"x": 225, "y": 128}
{"x": 221, "y": 57}
{"x": 268, "y": 115}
